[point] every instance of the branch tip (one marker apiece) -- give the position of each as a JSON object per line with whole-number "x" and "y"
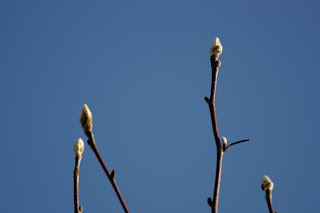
{"x": 209, "y": 201}
{"x": 266, "y": 184}
{"x": 78, "y": 148}
{"x": 86, "y": 119}
{"x": 216, "y": 48}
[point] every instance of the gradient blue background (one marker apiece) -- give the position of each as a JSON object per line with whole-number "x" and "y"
{"x": 143, "y": 69}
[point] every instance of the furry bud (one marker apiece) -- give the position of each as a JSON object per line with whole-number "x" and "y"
{"x": 78, "y": 148}
{"x": 267, "y": 184}
{"x": 224, "y": 141}
{"x": 86, "y": 119}
{"x": 216, "y": 48}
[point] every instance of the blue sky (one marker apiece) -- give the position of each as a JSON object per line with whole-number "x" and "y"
{"x": 143, "y": 68}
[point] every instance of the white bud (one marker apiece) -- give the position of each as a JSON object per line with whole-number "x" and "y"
{"x": 216, "y": 48}
{"x": 224, "y": 141}
{"x": 266, "y": 183}
{"x": 86, "y": 119}
{"x": 78, "y": 148}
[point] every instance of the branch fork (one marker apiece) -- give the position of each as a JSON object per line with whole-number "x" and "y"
{"x": 215, "y": 52}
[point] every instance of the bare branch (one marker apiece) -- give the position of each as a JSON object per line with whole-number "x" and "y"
{"x": 86, "y": 123}
{"x": 76, "y": 184}
{"x": 211, "y": 103}
{"x": 215, "y": 52}
{"x": 78, "y": 150}
{"x": 269, "y": 200}
{"x": 228, "y": 147}
{"x": 110, "y": 176}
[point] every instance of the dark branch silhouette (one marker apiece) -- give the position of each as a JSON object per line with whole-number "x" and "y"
{"x": 110, "y": 176}
{"x": 228, "y": 147}
{"x": 76, "y": 185}
{"x": 269, "y": 200}
{"x": 211, "y": 103}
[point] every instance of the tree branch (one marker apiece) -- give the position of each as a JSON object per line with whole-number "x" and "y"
{"x": 110, "y": 176}
{"x": 76, "y": 173}
{"x": 228, "y": 147}
{"x": 215, "y": 64}
{"x": 269, "y": 200}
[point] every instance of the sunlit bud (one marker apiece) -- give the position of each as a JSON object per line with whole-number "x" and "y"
{"x": 224, "y": 141}
{"x": 86, "y": 119}
{"x": 266, "y": 183}
{"x": 78, "y": 148}
{"x": 216, "y": 48}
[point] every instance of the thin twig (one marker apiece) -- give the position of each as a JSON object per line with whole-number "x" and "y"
{"x": 269, "y": 200}
{"x": 110, "y": 176}
{"x": 228, "y": 147}
{"x": 215, "y": 70}
{"x": 76, "y": 173}
{"x": 215, "y": 63}
{"x": 216, "y": 191}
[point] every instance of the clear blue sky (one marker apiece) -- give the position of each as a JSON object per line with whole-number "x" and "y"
{"x": 143, "y": 69}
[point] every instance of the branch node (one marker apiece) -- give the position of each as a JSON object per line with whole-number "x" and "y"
{"x": 223, "y": 147}
{"x": 90, "y": 143}
{"x": 206, "y": 99}
{"x": 113, "y": 174}
{"x": 209, "y": 201}
{"x": 81, "y": 209}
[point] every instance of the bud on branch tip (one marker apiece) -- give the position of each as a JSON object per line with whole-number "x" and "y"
{"x": 216, "y": 48}
{"x": 86, "y": 119}
{"x": 78, "y": 148}
{"x": 267, "y": 184}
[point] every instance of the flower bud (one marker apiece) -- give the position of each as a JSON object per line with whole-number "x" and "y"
{"x": 78, "y": 148}
{"x": 216, "y": 48}
{"x": 267, "y": 184}
{"x": 224, "y": 141}
{"x": 86, "y": 119}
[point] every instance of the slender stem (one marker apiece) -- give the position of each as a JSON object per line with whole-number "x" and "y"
{"x": 228, "y": 147}
{"x": 212, "y": 100}
{"x": 110, "y": 176}
{"x": 211, "y": 104}
{"x": 215, "y": 64}
{"x": 76, "y": 173}
{"x": 269, "y": 200}
{"x": 216, "y": 191}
